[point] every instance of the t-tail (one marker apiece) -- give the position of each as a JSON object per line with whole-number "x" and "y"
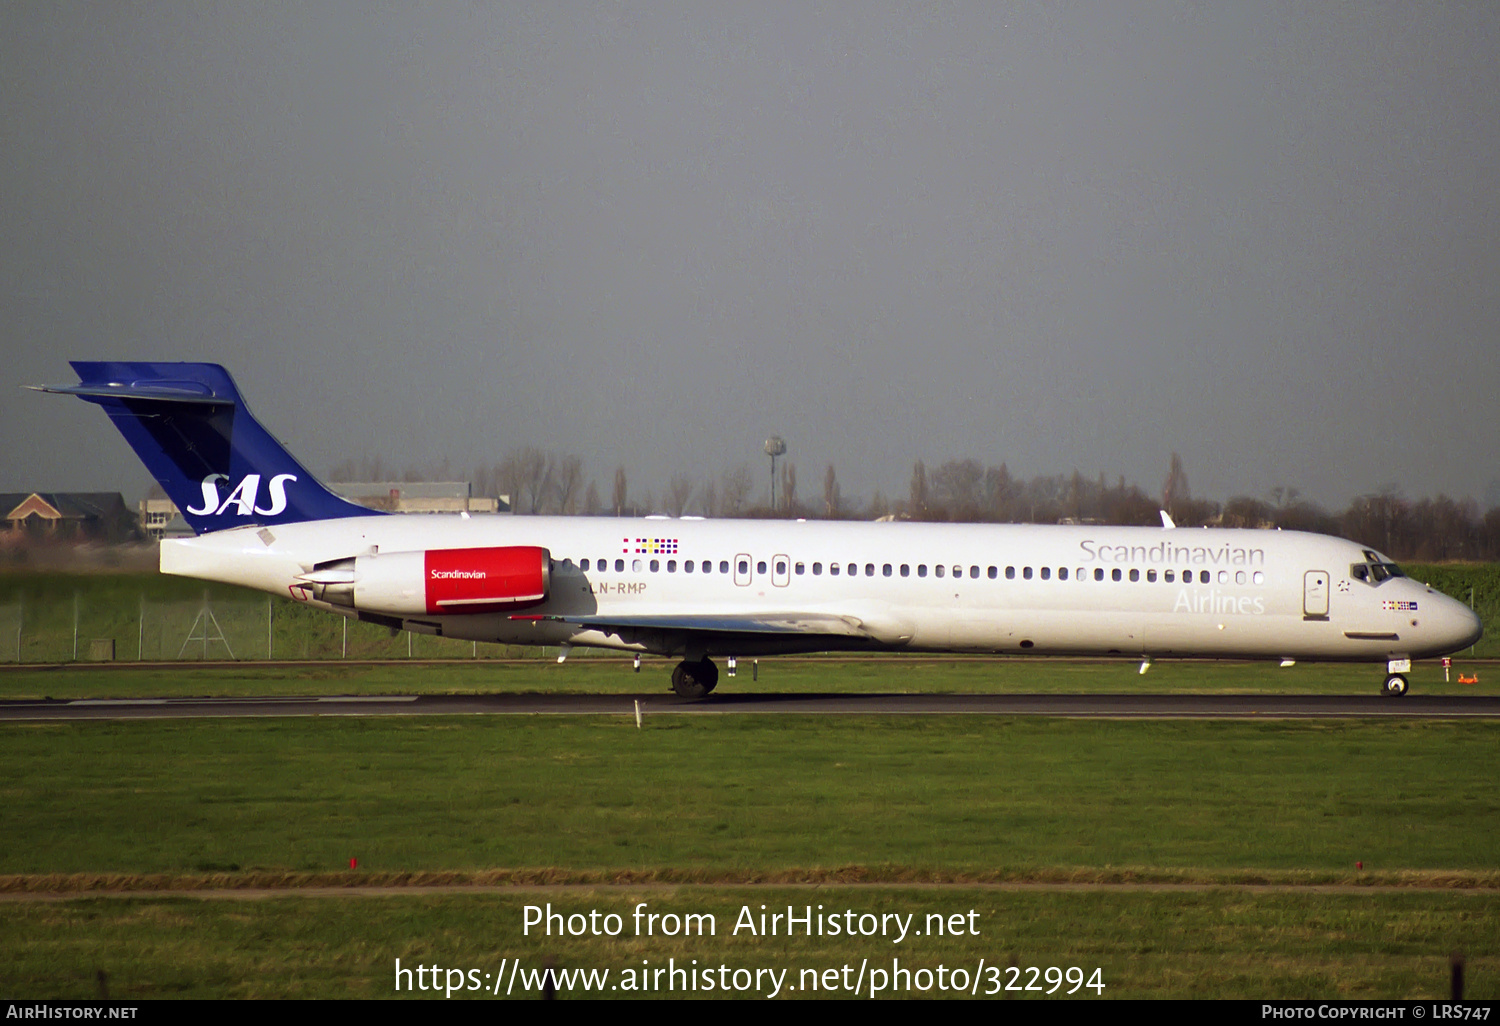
{"x": 188, "y": 424}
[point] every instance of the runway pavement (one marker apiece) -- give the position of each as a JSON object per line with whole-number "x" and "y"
{"x": 1122, "y": 706}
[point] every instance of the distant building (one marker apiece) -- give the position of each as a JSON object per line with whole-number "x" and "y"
{"x": 73, "y": 516}
{"x": 161, "y": 518}
{"x": 420, "y": 497}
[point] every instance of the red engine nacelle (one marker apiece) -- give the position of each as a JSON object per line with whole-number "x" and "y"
{"x": 438, "y": 581}
{"x": 486, "y": 580}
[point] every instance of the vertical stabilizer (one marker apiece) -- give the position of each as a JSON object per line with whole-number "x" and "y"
{"x": 188, "y": 424}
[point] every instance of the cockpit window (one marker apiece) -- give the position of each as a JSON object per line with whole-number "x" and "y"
{"x": 1375, "y": 570}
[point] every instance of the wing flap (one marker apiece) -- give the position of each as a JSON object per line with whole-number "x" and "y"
{"x": 723, "y": 623}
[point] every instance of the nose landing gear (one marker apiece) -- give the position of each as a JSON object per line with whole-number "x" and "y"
{"x": 1395, "y": 677}
{"x": 695, "y": 679}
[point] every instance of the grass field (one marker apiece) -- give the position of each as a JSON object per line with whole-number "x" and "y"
{"x": 1214, "y": 943}
{"x": 897, "y": 801}
{"x": 828, "y": 674}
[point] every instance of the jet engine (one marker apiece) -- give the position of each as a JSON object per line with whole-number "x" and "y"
{"x": 436, "y": 581}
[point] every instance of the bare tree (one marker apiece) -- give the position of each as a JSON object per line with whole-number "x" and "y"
{"x": 565, "y": 484}
{"x": 736, "y": 485}
{"x": 956, "y": 486}
{"x": 679, "y": 491}
{"x": 789, "y": 487}
{"x": 708, "y": 499}
{"x": 591, "y": 503}
{"x": 830, "y": 493}
{"x": 535, "y": 469}
{"x": 619, "y": 498}
{"x": 918, "y": 504}
{"x": 1175, "y": 488}
{"x": 999, "y": 491}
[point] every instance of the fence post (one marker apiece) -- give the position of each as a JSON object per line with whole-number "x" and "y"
{"x": 75, "y": 626}
{"x": 140, "y": 632}
{"x": 268, "y": 628}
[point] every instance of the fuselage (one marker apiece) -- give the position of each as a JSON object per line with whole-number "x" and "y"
{"x": 1082, "y": 590}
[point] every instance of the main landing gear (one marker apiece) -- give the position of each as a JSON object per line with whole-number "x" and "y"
{"x": 695, "y": 679}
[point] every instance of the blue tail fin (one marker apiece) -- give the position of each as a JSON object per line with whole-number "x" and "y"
{"x": 188, "y": 424}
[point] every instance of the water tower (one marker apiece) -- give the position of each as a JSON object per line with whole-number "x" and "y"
{"x": 774, "y": 447}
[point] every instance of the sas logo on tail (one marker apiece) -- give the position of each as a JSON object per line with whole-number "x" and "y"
{"x": 243, "y": 497}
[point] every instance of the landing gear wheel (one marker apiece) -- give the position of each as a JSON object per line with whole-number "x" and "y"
{"x": 1395, "y": 686}
{"x": 694, "y": 680}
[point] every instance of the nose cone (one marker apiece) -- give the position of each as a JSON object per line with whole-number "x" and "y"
{"x": 1457, "y": 625}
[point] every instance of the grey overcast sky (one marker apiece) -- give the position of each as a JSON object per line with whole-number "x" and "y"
{"x": 1059, "y": 235}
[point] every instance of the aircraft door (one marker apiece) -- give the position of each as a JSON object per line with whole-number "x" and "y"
{"x": 781, "y": 571}
{"x": 1315, "y": 595}
{"x": 742, "y": 569}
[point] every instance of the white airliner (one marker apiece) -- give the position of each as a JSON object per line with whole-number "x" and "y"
{"x": 703, "y": 588}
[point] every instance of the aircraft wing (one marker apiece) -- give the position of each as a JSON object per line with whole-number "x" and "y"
{"x": 803, "y": 623}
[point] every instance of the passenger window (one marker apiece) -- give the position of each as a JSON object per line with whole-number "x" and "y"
{"x": 635, "y": 565}
{"x": 1026, "y": 573}
{"x": 974, "y": 572}
{"x": 994, "y": 572}
{"x": 760, "y": 567}
{"x": 817, "y": 569}
{"x": 886, "y": 570}
{"x": 869, "y": 569}
{"x": 1062, "y": 573}
{"x": 1010, "y": 573}
{"x": 1203, "y": 577}
{"x": 723, "y": 566}
{"x": 939, "y": 570}
{"x": 905, "y": 570}
{"x": 1046, "y": 573}
{"x": 656, "y": 566}
{"x": 1099, "y": 573}
{"x": 1169, "y": 576}
{"x": 744, "y": 566}
{"x": 1239, "y": 577}
{"x": 1115, "y": 574}
{"x": 671, "y": 566}
{"x": 798, "y": 569}
{"x": 1259, "y": 577}
{"x": 687, "y": 566}
{"x": 1151, "y": 576}
{"x": 619, "y": 566}
{"x": 1135, "y": 575}
{"x": 853, "y": 569}
{"x": 1223, "y": 576}
{"x": 780, "y": 567}
{"x": 833, "y": 569}
{"x": 958, "y": 571}
{"x": 921, "y": 569}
